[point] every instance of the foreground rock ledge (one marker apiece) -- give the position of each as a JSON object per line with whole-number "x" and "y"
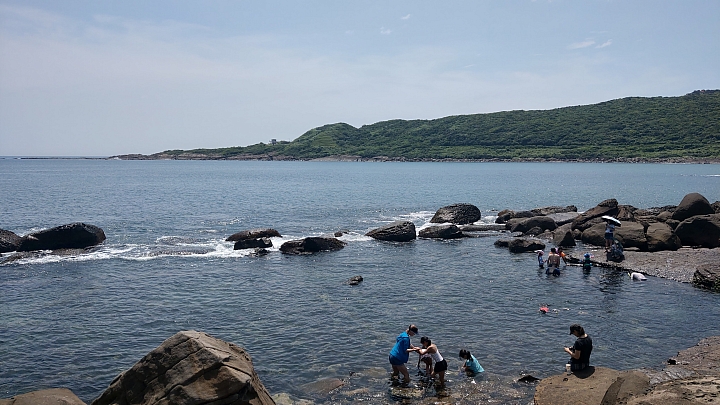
{"x": 53, "y": 396}
{"x": 189, "y": 368}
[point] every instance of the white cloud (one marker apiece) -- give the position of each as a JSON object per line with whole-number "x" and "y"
{"x": 407, "y": 17}
{"x": 579, "y": 45}
{"x": 385, "y": 31}
{"x": 604, "y": 44}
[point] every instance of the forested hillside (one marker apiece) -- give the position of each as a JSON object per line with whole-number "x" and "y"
{"x": 634, "y": 128}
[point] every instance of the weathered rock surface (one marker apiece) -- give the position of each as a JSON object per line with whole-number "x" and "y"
{"x": 71, "y": 236}
{"x": 542, "y": 222}
{"x": 563, "y": 237}
{"x": 562, "y": 218}
{"x": 593, "y": 386}
{"x": 52, "y": 396}
{"x": 460, "y": 214}
{"x": 691, "y": 205}
{"x": 707, "y": 276}
{"x": 607, "y": 207}
{"x": 399, "y": 231}
{"x": 254, "y": 234}
{"x": 553, "y": 210}
{"x": 9, "y": 241}
{"x": 448, "y": 231}
{"x": 660, "y": 236}
{"x": 189, "y": 368}
{"x": 482, "y": 227}
{"x": 505, "y": 215}
{"x": 595, "y": 235}
{"x": 630, "y": 234}
{"x": 700, "y": 230}
{"x": 520, "y": 245}
{"x": 252, "y": 243}
{"x": 311, "y": 245}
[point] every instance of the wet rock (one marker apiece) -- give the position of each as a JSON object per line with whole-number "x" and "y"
{"x": 457, "y": 214}
{"x": 520, "y": 245}
{"x": 260, "y": 252}
{"x": 528, "y": 379}
{"x": 311, "y": 245}
{"x": 189, "y": 368}
{"x": 505, "y": 242}
{"x": 9, "y": 241}
{"x": 252, "y": 243}
{"x": 534, "y": 231}
{"x": 322, "y": 387}
{"x": 52, "y": 396}
{"x": 660, "y": 236}
{"x": 700, "y": 230}
{"x": 707, "y": 276}
{"x": 253, "y": 234}
{"x": 399, "y": 231}
{"x": 542, "y": 222}
{"x": 692, "y": 205}
{"x": 355, "y": 280}
{"x": 71, "y": 236}
{"x": 441, "y": 232}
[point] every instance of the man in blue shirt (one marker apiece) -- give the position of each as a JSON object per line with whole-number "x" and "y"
{"x": 401, "y": 352}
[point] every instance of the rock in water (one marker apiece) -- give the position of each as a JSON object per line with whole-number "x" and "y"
{"x": 189, "y": 368}
{"x": 311, "y": 245}
{"x": 253, "y": 234}
{"x": 460, "y": 214}
{"x": 71, "y": 236}
{"x": 9, "y": 241}
{"x": 399, "y": 231}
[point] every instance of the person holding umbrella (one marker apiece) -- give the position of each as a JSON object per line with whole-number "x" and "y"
{"x": 610, "y": 224}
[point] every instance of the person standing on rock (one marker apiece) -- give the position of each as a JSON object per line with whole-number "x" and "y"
{"x": 580, "y": 352}
{"x": 400, "y": 353}
{"x": 609, "y": 234}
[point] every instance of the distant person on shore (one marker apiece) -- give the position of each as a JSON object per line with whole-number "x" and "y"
{"x": 541, "y": 259}
{"x": 471, "y": 366}
{"x": 401, "y": 352}
{"x": 553, "y": 263}
{"x": 609, "y": 234}
{"x": 562, "y": 255}
{"x": 580, "y": 351}
{"x": 428, "y": 347}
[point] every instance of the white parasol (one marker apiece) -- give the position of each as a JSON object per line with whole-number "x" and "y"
{"x": 611, "y": 219}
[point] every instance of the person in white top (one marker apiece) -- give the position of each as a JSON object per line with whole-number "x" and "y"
{"x": 440, "y": 363}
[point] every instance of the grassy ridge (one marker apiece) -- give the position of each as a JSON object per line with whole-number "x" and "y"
{"x": 657, "y": 128}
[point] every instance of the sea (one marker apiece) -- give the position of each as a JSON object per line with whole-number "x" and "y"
{"x": 80, "y": 318}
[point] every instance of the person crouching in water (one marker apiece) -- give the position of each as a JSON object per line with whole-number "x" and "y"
{"x": 440, "y": 364}
{"x": 471, "y": 366}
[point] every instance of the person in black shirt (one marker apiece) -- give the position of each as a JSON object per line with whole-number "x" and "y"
{"x": 580, "y": 352}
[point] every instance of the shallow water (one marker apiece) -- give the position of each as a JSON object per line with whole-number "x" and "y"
{"x": 77, "y": 321}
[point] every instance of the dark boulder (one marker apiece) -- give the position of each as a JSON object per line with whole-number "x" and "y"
{"x": 563, "y": 236}
{"x": 71, "y": 236}
{"x": 691, "y": 205}
{"x": 630, "y": 234}
{"x": 520, "y": 245}
{"x": 503, "y": 216}
{"x": 661, "y": 237}
{"x": 607, "y": 207}
{"x": 700, "y": 230}
{"x": 441, "y": 232}
{"x": 254, "y": 234}
{"x": 553, "y": 210}
{"x": 252, "y": 243}
{"x": 311, "y": 245}
{"x": 460, "y": 214}
{"x": 482, "y": 227}
{"x": 595, "y": 235}
{"x": 399, "y": 231}
{"x": 716, "y": 206}
{"x": 355, "y": 280}
{"x": 707, "y": 276}
{"x": 189, "y": 368}
{"x": 505, "y": 242}
{"x": 9, "y": 241}
{"x": 542, "y": 222}
{"x": 534, "y": 231}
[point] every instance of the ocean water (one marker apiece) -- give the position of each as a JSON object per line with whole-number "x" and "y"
{"x": 78, "y": 320}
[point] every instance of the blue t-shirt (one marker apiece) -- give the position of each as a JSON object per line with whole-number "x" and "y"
{"x": 399, "y": 351}
{"x": 473, "y": 365}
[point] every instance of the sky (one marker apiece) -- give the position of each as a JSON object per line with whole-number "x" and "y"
{"x": 103, "y": 78}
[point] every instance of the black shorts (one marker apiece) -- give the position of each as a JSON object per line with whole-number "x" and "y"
{"x": 440, "y": 366}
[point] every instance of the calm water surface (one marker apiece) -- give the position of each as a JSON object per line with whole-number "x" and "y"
{"x": 77, "y": 321}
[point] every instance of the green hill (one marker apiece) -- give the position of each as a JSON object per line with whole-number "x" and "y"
{"x": 635, "y": 128}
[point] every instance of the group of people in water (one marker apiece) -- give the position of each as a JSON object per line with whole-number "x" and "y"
{"x": 429, "y": 354}
{"x": 552, "y": 261}
{"x": 436, "y": 365}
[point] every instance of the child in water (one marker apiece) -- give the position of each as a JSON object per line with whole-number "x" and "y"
{"x": 471, "y": 366}
{"x": 586, "y": 264}
{"x": 541, "y": 262}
